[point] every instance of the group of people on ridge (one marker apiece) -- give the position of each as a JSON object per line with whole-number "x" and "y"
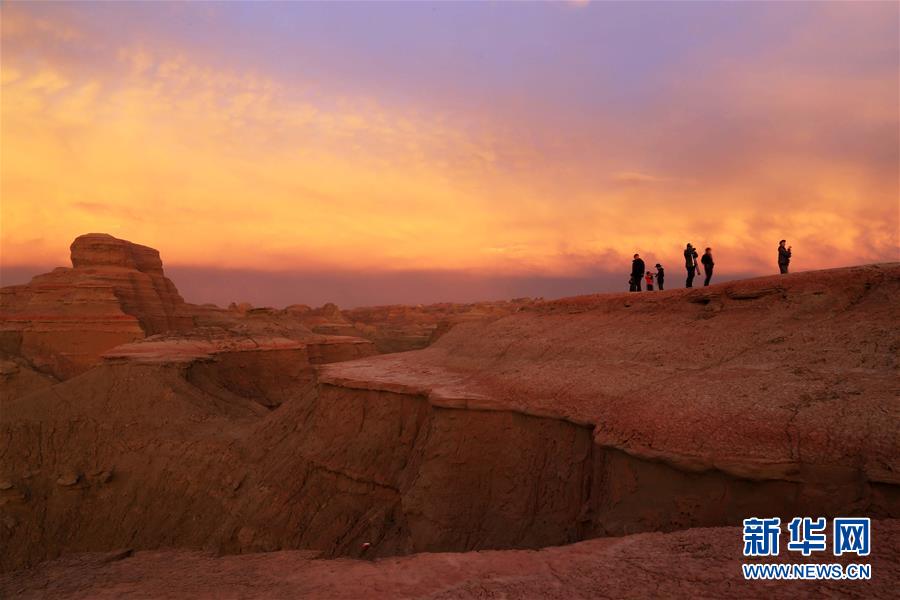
{"x": 637, "y": 273}
{"x": 692, "y": 265}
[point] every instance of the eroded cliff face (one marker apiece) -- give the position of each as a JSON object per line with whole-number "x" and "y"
{"x": 135, "y": 274}
{"x": 115, "y": 292}
{"x": 266, "y": 368}
{"x": 394, "y": 470}
{"x": 390, "y": 469}
{"x": 335, "y": 468}
{"x": 543, "y": 428}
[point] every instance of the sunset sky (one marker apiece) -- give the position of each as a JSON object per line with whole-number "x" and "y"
{"x": 411, "y": 152}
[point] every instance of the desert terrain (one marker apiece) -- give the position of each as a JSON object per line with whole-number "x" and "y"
{"x": 595, "y": 446}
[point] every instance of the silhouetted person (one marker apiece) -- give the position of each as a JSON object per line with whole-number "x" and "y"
{"x": 660, "y": 276}
{"x": 708, "y": 265}
{"x": 784, "y": 257}
{"x": 637, "y": 272}
{"x": 690, "y": 263}
{"x": 649, "y": 279}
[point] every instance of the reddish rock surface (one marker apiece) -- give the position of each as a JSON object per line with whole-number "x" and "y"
{"x": 579, "y": 418}
{"x": 697, "y": 563}
{"x": 18, "y": 378}
{"x": 62, "y": 323}
{"x": 792, "y": 378}
{"x": 115, "y": 292}
{"x": 267, "y": 368}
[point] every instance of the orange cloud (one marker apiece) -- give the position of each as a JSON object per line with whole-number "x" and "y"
{"x": 239, "y": 169}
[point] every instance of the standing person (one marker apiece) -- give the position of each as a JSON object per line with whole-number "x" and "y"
{"x": 708, "y": 264}
{"x": 637, "y": 272}
{"x": 784, "y": 257}
{"x": 649, "y": 279}
{"x": 690, "y": 263}
{"x": 660, "y": 276}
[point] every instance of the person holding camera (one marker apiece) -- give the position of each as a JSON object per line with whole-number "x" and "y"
{"x": 690, "y": 263}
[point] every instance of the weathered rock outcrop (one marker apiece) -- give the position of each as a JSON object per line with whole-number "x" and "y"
{"x": 115, "y": 292}
{"x": 17, "y": 378}
{"x": 577, "y": 418}
{"x": 267, "y": 368}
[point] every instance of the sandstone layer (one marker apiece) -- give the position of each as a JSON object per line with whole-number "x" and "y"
{"x": 115, "y": 292}
{"x": 265, "y": 367}
{"x": 63, "y": 323}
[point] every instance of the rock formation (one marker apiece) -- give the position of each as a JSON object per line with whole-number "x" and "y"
{"x": 115, "y": 292}
{"x": 268, "y": 369}
{"x": 403, "y": 328}
{"x": 768, "y": 378}
{"x": 63, "y": 322}
{"x": 18, "y": 377}
{"x": 392, "y": 328}
{"x": 398, "y": 328}
{"x": 571, "y": 419}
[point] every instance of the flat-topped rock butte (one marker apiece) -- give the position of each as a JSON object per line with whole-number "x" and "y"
{"x": 522, "y": 425}
{"x": 115, "y": 292}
